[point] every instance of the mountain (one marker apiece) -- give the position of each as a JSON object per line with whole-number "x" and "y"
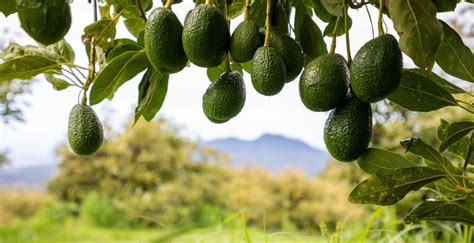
{"x": 274, "y": 152}
{"x": 31, "y": 177}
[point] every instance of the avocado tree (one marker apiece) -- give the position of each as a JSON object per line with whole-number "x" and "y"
{"x": 263, "y": 46}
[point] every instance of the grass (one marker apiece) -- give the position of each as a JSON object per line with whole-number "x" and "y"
{"x": 76, "y": 231}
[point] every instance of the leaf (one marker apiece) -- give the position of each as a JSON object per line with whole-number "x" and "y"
{"x": 27, "y": 67}
{"x": 321, "y": 11}
{"x": 445, "y": 5}
{"x": 122, "y": 46}
{"x": 443, "y": 83}
{"x": 389, "y": 189}
{"x": 382, "y": 162}
{"x": 456, "y": 211}
{"x": 454, "y": 132}
{"x": 63, "y": 50}
{"x": 329, "y": 30}
{"x": 432, "y": 157}
{"x": 52, "y": 52}
{"x": 103, "y": 31}
{"x": 470, "y": 153}
{"x": 8, "y": 7}
{"x": 58, "y": 83}
{"x": 235, "y": 9}
{"x": 117, "y": 72}
{"x": 257, "y": 12}
{"x": 454, "y": 57}
{"x": 311, "y": 39}
{"x": 135, "y": 25}
{"x": 152, "y": 100}
{"x": 441, "y": 132}
{"x": 420, "y": 32}
{"x": 416, "y": 92}
{"x": 333, "y": 7}
{"x": 213, "y": 73}
{"x": 248, "y": 66}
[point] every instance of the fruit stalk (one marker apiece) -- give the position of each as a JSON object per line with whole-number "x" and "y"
{"x": 209, "y": 2}
{"x": 168, "y": 4}
{"x": 346, "y": 28}
{"x": 227, "y": 56}
{"x": 333, "y": 43}
{"x": 380, "y": 22}
{"x": 268, "y": 24}
{"x": 247, "y": 10}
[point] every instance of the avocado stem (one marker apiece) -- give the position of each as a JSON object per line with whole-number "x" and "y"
{"x": 346, "y": 28}
{"x": 267, "y": 24}
{"x": 168, "y": 4}
{"x": 247, "y": 10}
{"x": 209, "y": 2}
{"x": 333, "y": 43}
{"x": 380, "y": 24}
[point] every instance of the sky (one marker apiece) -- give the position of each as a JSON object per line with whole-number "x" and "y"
{"x": 35, "y": 141}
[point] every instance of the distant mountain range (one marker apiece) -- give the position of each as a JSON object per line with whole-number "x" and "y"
{"x": 273, "y": 152}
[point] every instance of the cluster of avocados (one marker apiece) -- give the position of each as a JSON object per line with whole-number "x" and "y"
{"x": 328, "y": 83}
{"x": 205, "y": 41}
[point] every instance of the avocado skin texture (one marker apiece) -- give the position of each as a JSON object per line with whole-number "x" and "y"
{"x": 290, "y": 52}
{"x": 348, "y": 129}
{"x": 245, "y": 41}
{"x": 225, "y": 98}
{"x": 206, "y": 36}
{"x": 376, "y": 69}
{"x": 46, "y": 21}
{"x": 163, "y": 41}
{"x": 324, "y": 82}
{"x": 85, "y": 133}
{"x": 268, "y": 74}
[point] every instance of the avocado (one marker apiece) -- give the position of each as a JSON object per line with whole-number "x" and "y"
{"x": 225, "y": 98}
{"x": 268, "y": 71}
{"x": 324, "y": 82}
{"x": 289, "y": 51}
{"x": 163, "y": 41}
{"x": 348, "y": 129}
{"x": 46, "y": 22}
{"x": 245, "y": 41}
{"x": 206, "y": 36}
{"x": 85, "y": 133}
{"x": 376, "y": 70}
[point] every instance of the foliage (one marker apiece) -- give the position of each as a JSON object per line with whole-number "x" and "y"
{"x": 445, "y": 170}
{"x": 20, "y": 204}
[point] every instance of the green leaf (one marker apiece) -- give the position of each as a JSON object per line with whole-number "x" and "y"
{"x": 420, "y": 32}
{"x": 27, "y": 67}
{"x": 257, "y": 12}
{"x": 382, "y": 162}
{"x": 445, "y": 5}
{"x": 102, "y": 31}
{"x": 454, "y": 132}
{"x": 333, "y": 7}
{"x": 63, "y": 50}
{"x": 214, "y": 72}
{"x": 117, "y": 72}
{"x": 121, "y": 46}
{"x": 455, "y": 211}
{"x": 329, "y": 30}
{"x": 153, "y": 97}
{"x": 470, "y": 153}
{"x": 432, "y": 157}
{"x": 321, "y": 11}
{"x": 235, "y": 9}
{"x": 416, "y": 92}
{"x": 454, "y": 57}
{"x": 135, "y": 25}
{"x": 55, "y": 52}
{"x": 311, "y": 39}
{"x": 248, "y": 66}
{"x": 442, "y": 129}
{"x": 58, "y": 83}
{"x": 389, "y": 189}
{"x": 443, "y": 83}
{"x": 8, "y": 7}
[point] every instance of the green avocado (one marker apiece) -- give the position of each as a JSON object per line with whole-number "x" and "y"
{"x": 324, "y": 82}
{"x": 225, "y": 98}
{"x": 268, "y": 72}
{"x": 163, "y": 41}
{"x": 85, "y": 133}
{"x": 376, "y": 70}
{"x": 289, "y": 51}
{"x": 245, "y": 41}
{"x": 46, "y": 21}
{"x": 348, "y": 129}
{"x": 206, "y": 36}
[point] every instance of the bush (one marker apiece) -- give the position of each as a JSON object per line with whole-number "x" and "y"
{"x": 100, "y": 211}
{"x": 18, "y": 203}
